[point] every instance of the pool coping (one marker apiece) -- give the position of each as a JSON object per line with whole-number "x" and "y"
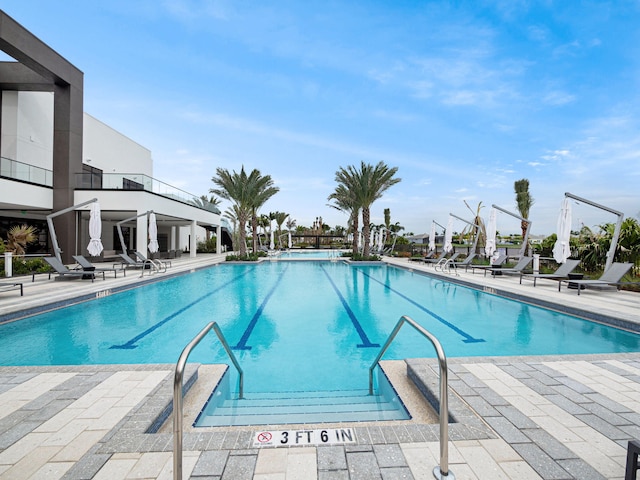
{"x": 67, "y": 302}
{"x": 592, "y": 316}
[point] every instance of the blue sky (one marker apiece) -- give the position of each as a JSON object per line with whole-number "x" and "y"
{"x": 463, "y": 97}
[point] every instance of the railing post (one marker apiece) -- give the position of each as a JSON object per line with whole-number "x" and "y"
{"x": 440, "y": 472}
{"x": 177, "y": 391}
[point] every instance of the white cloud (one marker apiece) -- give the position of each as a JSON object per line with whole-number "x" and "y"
{"x": 558, "y": 98}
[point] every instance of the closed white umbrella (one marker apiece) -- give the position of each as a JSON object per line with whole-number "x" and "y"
{"x": 448, "y": 238}
{"x": 561, "y": 249}
{"x": 95, "y": 231}
{"x": 271, "y": 242}
{"x": 381, "y": 240}
{"x": 153, "y": 234}
{"x": 432, "y": 237}
{"x": 492, "y": 227}
{"x": 289, "y": 241}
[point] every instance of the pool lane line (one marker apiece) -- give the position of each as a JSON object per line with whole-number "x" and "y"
{"x": 131, "y": 344}
{"x": 366, "y": 343}
{"x": 242, "y": 344}
{"x": 467, "y": 338}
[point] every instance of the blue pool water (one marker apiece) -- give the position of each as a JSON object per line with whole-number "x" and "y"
{"x": 300, "y": 325}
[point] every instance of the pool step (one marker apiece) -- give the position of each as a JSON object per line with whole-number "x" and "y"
{"x": 302, "y": 407}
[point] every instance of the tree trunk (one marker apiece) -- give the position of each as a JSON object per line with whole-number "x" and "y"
{"x": 254, "y": 232}
{"x": 355, "y": 234}
{"x": 242, "y": 225}
{"x": 366, "y": 215}
{"x": 523, "y": 226}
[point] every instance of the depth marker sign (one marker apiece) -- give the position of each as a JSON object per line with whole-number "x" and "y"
{"x": 326, "y": 436}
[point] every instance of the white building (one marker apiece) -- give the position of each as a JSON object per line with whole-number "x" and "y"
{"x": 55, "y": 157}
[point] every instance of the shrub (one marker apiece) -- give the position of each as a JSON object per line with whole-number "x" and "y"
{"x": 249, "y": 257}
{"x": 358, "y": 257}
{"x": 26, "y": 266}
{"x": 208, "y": 246}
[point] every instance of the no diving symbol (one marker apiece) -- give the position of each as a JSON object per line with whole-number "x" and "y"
{"x": 264, "y": 437}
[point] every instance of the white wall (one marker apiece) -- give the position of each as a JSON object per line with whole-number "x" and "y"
{"x": 27, "y": 127}
{"x": 113, "y": 152}
{"x": 27, "y": 136}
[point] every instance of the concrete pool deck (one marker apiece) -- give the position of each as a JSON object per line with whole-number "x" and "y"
{"x": 557, "y": 417}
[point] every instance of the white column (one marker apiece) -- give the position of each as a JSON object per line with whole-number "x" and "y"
{"x": 193, "y": 244}
{"x": 219, "y": 239}
{"x": 142, "y": 234}
{"x": 8, "y": 264}
{"x": 172, "y": 239}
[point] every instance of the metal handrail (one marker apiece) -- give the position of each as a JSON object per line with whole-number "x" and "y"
{"x": 449, "y": 267}
{"x": 153, "y": 268}
{"x": 441, "y": 472}
{"x": 155, "y": 265}
{"x": 177, "y": 390}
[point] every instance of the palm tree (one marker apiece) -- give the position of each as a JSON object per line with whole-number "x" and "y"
{"x": 264, "y": 223}
{"x": 345, "y": 201}
{"x": 231, "y": 214}
{"x": 280, "y": 218}
{"x": 207, "y": 203}
{"x": 367, "y": 185}
{"x": 395, "y": 228}
{"x": 387, "y": 218}
{"x": 524, "y": 202}
{"x": 233, "y": 187}
{"x": 261, "y": 189}
{"x": 18, "y": 237}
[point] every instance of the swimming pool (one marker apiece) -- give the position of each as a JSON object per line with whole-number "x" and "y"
{"x": 298, "y": 325}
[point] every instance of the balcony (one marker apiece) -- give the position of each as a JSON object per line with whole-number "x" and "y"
{"x": 26, "y": 173}
{"x": 138, "y": 181}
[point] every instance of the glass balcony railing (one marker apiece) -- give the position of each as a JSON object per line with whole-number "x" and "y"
{"x": 98, "y": 181}
{"x": 138, "y": 181}
{"x": 25, "y": 172}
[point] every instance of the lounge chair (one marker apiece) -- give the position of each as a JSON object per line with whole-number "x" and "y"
{"x": 87, "y": 266}
{"x": 128, "y": 262}
{"x": 498, "y": 261}
{"x": 63, "y": 271}
{"x": 561, "y": 273}
{"x": 158, "y": 263}
{"x": 516, "y": 269}
{"x": 466, "y": 263}
{"x": 434, "y": 260}
{"x": 632, "y": 467}
{"x": 610, "y": 277}
{"x": 429, "y": 255}
{"x": 11, "y": 286}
